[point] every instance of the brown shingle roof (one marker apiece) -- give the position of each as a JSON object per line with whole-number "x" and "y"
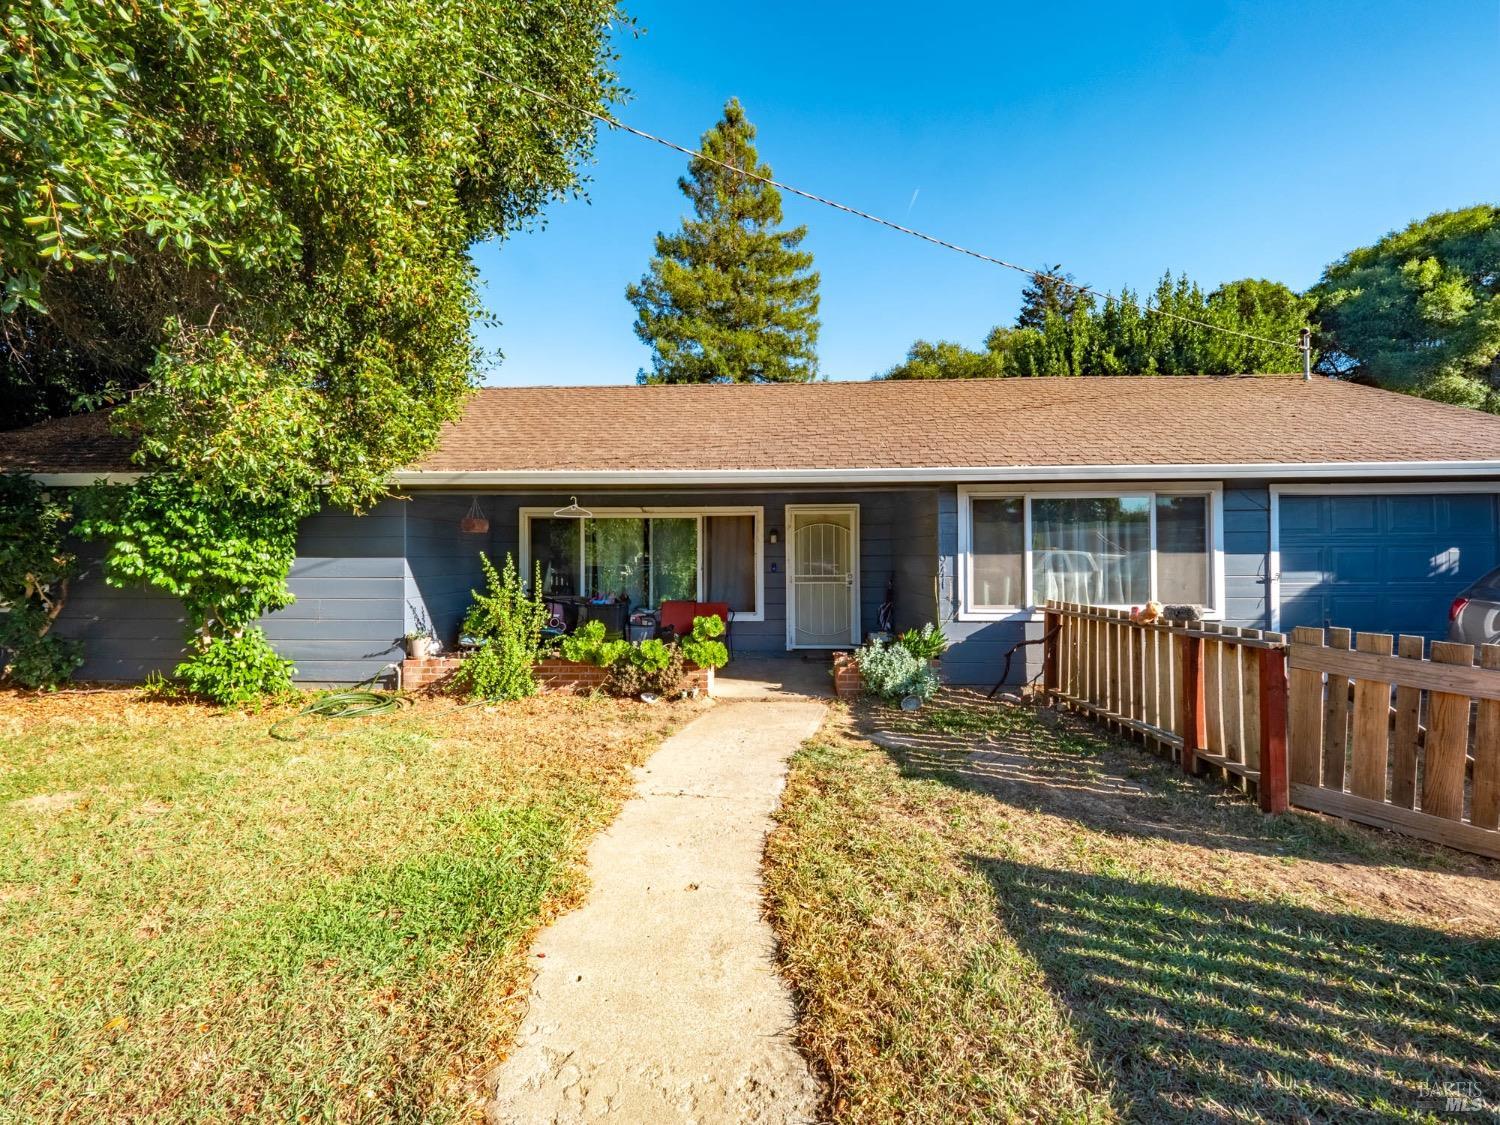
{"x": 982, "y": 423}
{"x": 1114, "y": 420}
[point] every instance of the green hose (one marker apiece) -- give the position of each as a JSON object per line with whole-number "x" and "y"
{"x": 354, "y": 703}
{"x": 351, "y": 704}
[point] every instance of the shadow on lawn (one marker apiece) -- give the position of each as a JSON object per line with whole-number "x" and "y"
{"x": 1061, "y": 764}
{"x": 1197, "y": 1008}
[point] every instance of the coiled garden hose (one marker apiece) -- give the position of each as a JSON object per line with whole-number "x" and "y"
{"x": 354, "y": 703}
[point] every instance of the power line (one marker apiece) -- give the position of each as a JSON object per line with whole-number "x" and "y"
{"x": 855, "y": 211}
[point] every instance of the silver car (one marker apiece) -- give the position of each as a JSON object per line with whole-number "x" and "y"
{"x": 1474, "y": 616}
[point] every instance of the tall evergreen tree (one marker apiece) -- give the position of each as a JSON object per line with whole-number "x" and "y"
{"x": 1051, "y": 292}
{"x": 729, "y": 298}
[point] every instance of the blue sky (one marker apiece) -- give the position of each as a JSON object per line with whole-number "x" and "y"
{"x": 1256, "y": 139}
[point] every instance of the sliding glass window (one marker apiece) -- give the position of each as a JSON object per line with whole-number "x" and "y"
{"x": 648, "y": 558}
{"x": 1109, "y": 549}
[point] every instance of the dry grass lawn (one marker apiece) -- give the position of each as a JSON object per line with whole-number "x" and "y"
{"x": 991, "y": 913}
{"x": 201, "y": 923}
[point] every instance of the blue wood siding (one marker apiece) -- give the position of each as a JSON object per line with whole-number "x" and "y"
{"x": 442, "y": 563}
{"x": 349, "y": 579}
{"x": 897, "y": 539}
{"x": 127, "y": 633}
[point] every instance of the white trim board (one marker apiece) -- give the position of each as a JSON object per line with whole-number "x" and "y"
{"x": 1259, "y": 471}
{"x": 553, "y": 479}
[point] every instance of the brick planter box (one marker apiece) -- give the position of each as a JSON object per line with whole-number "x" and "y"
{"x": 553, "y": 674}
{"x": 846, "y": 680}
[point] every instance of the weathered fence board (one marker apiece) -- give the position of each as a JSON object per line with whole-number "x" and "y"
{"x": 1447, "y": 739}
{"x": 1369, "y": 728}
{"x": 1484, "y": 805}
{"x": 1407, "y": 732}
{"x": 1306, "y": 735}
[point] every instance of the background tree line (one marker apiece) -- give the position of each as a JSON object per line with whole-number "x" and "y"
{"x": 731, "y": 298}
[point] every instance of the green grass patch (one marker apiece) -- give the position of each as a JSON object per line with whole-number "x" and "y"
{"x": 202, "y": 923}
{"x": 1004, "y": 916}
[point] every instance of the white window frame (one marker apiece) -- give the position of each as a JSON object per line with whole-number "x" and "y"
{"x": 1213, "y": 490}
{"x": 698, "y": 513}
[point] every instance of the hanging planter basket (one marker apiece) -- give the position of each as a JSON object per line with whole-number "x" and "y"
{"x": 475, "y": 522}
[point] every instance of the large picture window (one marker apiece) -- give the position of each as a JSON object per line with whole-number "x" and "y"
{"x": 649, "y": 556}
{"x": 1104, "y": 548}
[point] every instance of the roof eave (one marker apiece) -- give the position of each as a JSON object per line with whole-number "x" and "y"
{"x": 559, "y": 478}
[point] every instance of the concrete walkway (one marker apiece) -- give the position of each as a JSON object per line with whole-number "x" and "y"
{"x": 659, "y": 1000}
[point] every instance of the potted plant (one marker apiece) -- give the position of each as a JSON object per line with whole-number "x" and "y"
{"x": 420, "y": 640}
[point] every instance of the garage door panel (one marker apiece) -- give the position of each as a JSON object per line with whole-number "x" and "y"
{"x": 1411, "y": 513}
{"x": 1382, "y": 563}
{"x": 1301, "y": 513}
{"x": 1352, "y": 513}
{"x": 1355, "y": 564}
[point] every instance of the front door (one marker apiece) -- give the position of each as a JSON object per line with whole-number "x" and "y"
{"x": 822, "y": 576}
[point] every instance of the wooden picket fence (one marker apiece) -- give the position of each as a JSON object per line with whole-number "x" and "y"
{"x": 1210, "y": 694}
{"x": 1427, "y": 764}
{"x": 1366, "y": 728}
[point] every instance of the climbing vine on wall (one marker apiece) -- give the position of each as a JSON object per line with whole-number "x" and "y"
{"x": 35, "y": 569}
{"x": 226, "y": 559}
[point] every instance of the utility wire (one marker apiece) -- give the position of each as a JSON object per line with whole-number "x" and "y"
{"x": 855, "y": 211}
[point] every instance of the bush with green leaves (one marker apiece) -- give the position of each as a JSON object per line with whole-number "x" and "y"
{"x": 651, "y": 666}
{"x": 892, "y": 672}
{"x": 236, "y": 669}
{"x": 35, "y": 569}
{"x": 926, "y": 643}
{"x": 225, "y": 560}
{"x": 508, "y": 621}
{"x": 702, "y": 646}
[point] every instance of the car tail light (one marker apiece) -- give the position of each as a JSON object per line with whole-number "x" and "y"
{"x": 1457, "y": 607}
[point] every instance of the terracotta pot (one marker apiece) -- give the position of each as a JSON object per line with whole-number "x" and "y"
{"x": 474, "y": 525}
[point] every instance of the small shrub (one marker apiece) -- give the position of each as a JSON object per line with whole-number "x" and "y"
{"x": 582, "y": 645}
{"x": 652, "y": 665}
{"x": 509, "y": 622}
{"x": 701, "y": 646}
{"x": 926, "y": 643}
{"x": 236, "y": 669}
{"x": 892, "y": 672}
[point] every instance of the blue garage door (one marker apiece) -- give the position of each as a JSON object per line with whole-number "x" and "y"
{"x": 1382, "y": 564}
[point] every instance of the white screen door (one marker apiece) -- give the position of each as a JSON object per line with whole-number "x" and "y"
{"x": 823, "y": 578}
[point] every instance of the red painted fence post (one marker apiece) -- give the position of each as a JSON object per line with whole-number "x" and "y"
{"x": 1273, "y": 774}
{"x": 1194, "y": 724}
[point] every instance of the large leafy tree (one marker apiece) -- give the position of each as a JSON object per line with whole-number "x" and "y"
{"x": 255, "y": 214}
{"x": 252, "y": 218}
{"x": 1420, "y": 310}
{"x": 729, "y": 298}
{"x": 1072, "y": 334}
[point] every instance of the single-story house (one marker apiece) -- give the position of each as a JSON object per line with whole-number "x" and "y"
{"x": 1268, "y": 500}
